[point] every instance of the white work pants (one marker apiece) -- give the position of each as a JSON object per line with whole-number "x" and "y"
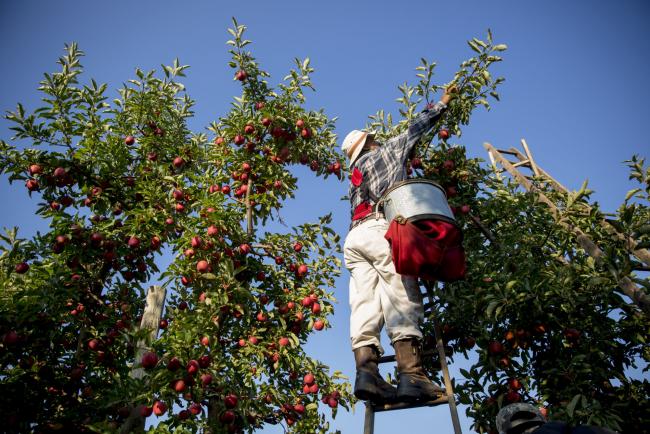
{"x": 378, "y": 295}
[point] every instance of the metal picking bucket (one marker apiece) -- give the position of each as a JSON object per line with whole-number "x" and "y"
{"x": 416, "y": 199}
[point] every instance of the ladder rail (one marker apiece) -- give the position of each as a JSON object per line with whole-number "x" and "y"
{"x": 640, "y": 253}
{"x": 629, "y": 288}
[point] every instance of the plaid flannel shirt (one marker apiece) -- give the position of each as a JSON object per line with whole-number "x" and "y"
{"x": 385, "y": 166}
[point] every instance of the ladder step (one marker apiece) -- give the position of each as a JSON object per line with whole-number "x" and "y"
{"x": 503, "y": 151}
{"x": 391, "y": 358}
{"x": 524, "y": 163}
{"x": 444, "y": 399}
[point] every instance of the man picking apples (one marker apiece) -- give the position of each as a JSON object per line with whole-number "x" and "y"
{"x": 378, "y": 295}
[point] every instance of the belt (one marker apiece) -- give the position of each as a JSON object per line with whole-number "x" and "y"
{"x": 373, "y": 215}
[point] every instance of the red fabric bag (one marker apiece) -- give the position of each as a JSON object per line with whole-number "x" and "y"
{"x": 428, "y": 249}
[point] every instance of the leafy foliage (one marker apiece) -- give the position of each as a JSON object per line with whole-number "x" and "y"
{"x": 541, "y": 320}
{"x": 118, "y": 183}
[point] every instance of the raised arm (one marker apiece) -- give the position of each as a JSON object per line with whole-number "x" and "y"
{"x": 400, "y": 147}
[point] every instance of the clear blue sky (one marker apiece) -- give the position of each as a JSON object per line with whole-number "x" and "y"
{"x": 576, "y": 89}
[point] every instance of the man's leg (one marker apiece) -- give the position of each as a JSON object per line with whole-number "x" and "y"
{"x": 401, "y": 302}
{"x": 366, "y": 320}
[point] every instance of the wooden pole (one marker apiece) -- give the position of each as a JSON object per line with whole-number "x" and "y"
{"x": 369, "y": 422}
{"x": 449, "y": 389}
{"x": 150, "y": 321}
{"x": 249, "y": 209}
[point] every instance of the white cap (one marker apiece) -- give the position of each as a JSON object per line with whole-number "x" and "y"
{"x": 353, "y": 144}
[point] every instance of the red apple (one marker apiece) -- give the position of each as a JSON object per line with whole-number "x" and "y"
{"x": 206, "y": 379}
{"x": 159, "y": 408}
{"x": 318, "y": 325}
{"x": 205, "y": 341}
{"x": 179, "y": 386}
{"x": 495, "y": 348}
{"x": 11, "y": 337}
{"x": 307, "y": 301}
{"x": 149, "y": 360}
{"x": 32, "y": 185}
{"x": 145, "y": 411}
{"x": 309, "y": 379}
{"x": 230, "y": 401}
{"x": 202, "y": 266}
{"x": 572, "y": 334}
{"x": 451, "y": 191}
{"x": 448, "y": 165}
{"x": 245, "y": 249}
{"x": 443, "y": 134}
{"x": 241, "y": 75}
{"x": 22, "y": 268}
{"x": 192, "y": 367}
{"x": 302, "y": 270}
{"x": 60, "y": 172}
{"x": 174, "y": 364}
{"x": 513, "y": 396}
{"x": 195, "y": 408}
{"x": 178, "y": 162}
{"x": 35, "y": 169}
{"x": 134, "y": 242}
{"x": 227, "y": 417}
{"x": 283, "y": 341}
{"x": 93, "y": 344}
{"x": 514, "y": 384}
{"x": 544, "y": 412}
{"x": 129, "y": 140}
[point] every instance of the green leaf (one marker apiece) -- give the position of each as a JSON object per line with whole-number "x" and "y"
{"x": 490, "y": 308}
{"x": 572, "y": 405}
{"x": 631, "y": 193}
{"x": 500, "y": 47}
{"x": 474, "y": 46}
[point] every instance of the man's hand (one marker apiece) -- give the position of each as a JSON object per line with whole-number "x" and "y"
{"x": 450, "y": 92}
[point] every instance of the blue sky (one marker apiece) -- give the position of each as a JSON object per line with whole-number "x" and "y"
{"x": 576, "y": 89}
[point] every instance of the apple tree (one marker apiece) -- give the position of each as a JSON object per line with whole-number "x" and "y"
{"x": 118, "y": 183}
{"x": 542, "y": 320}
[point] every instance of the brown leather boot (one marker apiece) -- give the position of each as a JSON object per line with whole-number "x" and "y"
{"x": 413, "y": 383}
{"x": 369, "y": 385}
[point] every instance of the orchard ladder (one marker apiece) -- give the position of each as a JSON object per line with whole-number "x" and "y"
{"x": 525, "y": 160}
{"x": 447, "y": 398}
